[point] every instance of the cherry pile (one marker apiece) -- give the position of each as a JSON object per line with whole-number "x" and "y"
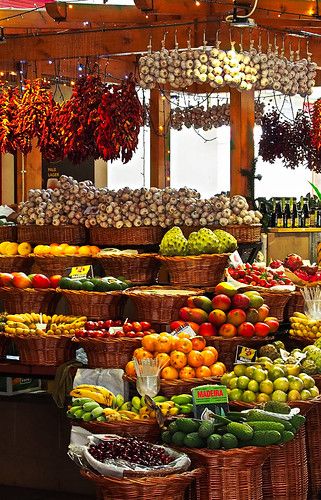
{"x": 105, "y": 329}
{"x": 258, "y": 276}
{"x": 131, "y": 450}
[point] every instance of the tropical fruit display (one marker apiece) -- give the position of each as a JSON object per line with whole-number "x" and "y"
{"x": 203, "y": 241}
{"x": 181, "y": 357}
{"x": 235, "y": 429}
{"x": 255, "y": 384}
{"x": 63, "y": 249}
{"x": 42, "y": 324}
{"x": 303, "y": 326}
{"x": 256, "y": 275}
{"x": 228, "y": 314}
{"x": 106, "y": 284}
{"x": 11, "y": 248}
{"x": 22, "y": 280}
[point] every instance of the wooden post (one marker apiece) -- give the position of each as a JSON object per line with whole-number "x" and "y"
{"x": 28, "y": 172}
{"x": 242, "y": 139}
{"x": 159, "y": 140}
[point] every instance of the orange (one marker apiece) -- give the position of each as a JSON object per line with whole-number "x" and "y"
{"x": 195, "y": 359}
{"x": 187, "y": 372}
{"x": 198, "y": 343}
{"x": 219, "y": 363}
{"x": 71, "y": 250}
{"x": 184, "y": 345}
{"x": 54, "y": 244}
{"x": 169, "y": 373}
{"x": 178, "y": 359}
{"x": 149, "y": 342}
{"x": 209, "y": 357}
{"x": 183, "y": 335}
{"x": 217, "y": 370}
{"x": 203, "y": 371}
{"x": 163, "y": 358}
{"x": 94, "y": 250}
{"x": 212, "y": 349}
{"x": 130, "y": 369}
{"x": 141, "y": 353}
{"x": 85, "y": 251}
{"x": 57, "y": 250}
{"x": 164, "y": 342}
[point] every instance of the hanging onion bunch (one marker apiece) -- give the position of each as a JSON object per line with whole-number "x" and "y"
{"x": 9, "y": 106}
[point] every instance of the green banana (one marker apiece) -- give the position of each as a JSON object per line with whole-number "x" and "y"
{"x": 78, "y": 414}
{"x": 87, "y": 416}
{"x": 160, "y": 399}
{"x": 182, "y": 399}
{"x": 90, "y": 406}
{"x": 186, "y": 409}
{"x": 126, "y": 406}
{"x": 119, "y": 400}
{"x": 102, "y": 418}
{"x": 80, "y": 401}
{"x": 97, "y": 412}
{"x": 73, "y": 409}
{"x": 136, "y": 402}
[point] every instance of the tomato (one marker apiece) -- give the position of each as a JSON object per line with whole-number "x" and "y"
{"x": 117, "y": 322}
{"x": 131, "y": 334}
{"x": 108, "y": 323}
{"x": 262, "y": 329}
{"x": 90, "y": 325}
{"x": 246, "y": 329}
{"x": 146, "y": 332}
{"x": 145, "y": 325}
{"x": 137, "y": 327}
{"x": 127, "y": 327}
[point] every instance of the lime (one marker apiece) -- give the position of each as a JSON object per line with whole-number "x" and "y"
{"x": 262, "y": 398}
{"x": 226, "y": 378}
{"x": 235, "y": 395}
{"x": 75, "y": 285}
{"x": 293, "y": 369}
{"x": 65, "y": 283}
{"x": 267, "y": 386}
{"x": 276, "y": 372}
{"x": 279, "y": 396}
{"x": 314, "y": 391}
{"x": 308, "y": 381}
{"x": 295, "y": 383}
{"x": 228, "y": 392}
{"x": 88, "y": 286}
{"x": 249, "y": 371}
{"x": 281, "y": 384}
{"x": 253, "y": 386}
{"x": 239, "y": 370}
{"x": 259, "y": 375}
{"x": 249, "y": 397}
{"x": 243, "y": 382}
{"x": 294, "y": 395}
{"x": 305, "y": 394}
{"x": 233, "y": 383}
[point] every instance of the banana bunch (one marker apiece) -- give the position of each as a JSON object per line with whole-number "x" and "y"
{"x": 26, "y": 324}
{"x": 95, "y": 393}
{"x": 175, "y": 406}
{"x": 302, "y": 326}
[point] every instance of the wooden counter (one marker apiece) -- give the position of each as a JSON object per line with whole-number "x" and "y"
{"x": 302, "y": 240}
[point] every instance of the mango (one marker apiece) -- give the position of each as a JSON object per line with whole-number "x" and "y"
{"x": 200, "y": 302}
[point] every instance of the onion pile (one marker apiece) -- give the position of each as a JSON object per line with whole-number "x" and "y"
{"x": 73, "y": 202}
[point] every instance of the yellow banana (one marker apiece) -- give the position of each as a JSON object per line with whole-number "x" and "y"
{"x": 110, "y": 411}
{"x": 85, "y": 393}
{"x": 130, "y": 414}
{"x": 108, "y": 395}
{"x": 16, "y": 317}
{"x": 35, "y": 316}
{"x": 299, "y": 315}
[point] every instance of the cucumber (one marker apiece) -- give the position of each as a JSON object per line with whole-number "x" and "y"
{"x": 258, "y": 416}
{"x": 287, "y": 436}
{"x": 267, "y": 426}
{"x": 243, "y": 432}
{"x": 265, "y": 438}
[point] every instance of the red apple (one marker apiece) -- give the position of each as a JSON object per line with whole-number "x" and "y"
{"x": 222, "y": 302}
{"x": 207, "y": 330}
{"x": 246, "y": 329}
{"x": 236, "y": 317}
{"x": 273, "y": 324}
{"x": 261, "y": 329}
{"x": 227, "y": 330}
{"x": 54, "y": 280}
{"x": 176, "y": 324}
{"x": 5, "y": 279}
{"x": 241, "y": 301}
{"x": 263, "y": 312}
{"x": 21, "y": 280}
{"x": 184, "y": 313}
{"x": 40, "y": 281}
{"x": 217, "y": 317}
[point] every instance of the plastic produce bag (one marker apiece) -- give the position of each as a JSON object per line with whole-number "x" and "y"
{"x": 111, "y": 378}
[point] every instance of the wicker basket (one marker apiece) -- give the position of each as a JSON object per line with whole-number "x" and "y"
{"x": 44, "y": 235}
{"x": 109, "y": 353}
{"x": 171, "y": 388}
{"x": 139, "y": 269}
{"x": 171, "y": 487}
{"x": 313, "y": 443}
{"x": 51, "y": 264}
{"x": 227, "y": 347}
{"x": 148, "y": 430}
{"x": 45, "y": 350}
{"x": 128, "y": 236}
{"x": 285, "y": 473}
{"x": 153, "y": 304}
{"x": 245, "y": 234}
{"x": 95, "y": 305}
{"x": 29, "y": 299}
{"x": 305, "y": 406}
{"x": 8, "y": 233}
{"x": 294, "y": 304}
{"x": 15, "y": 263}
{"x": 276, "y": 302}
{"x": 230, "y": 475}
{"x": 196, "y": 270}
{"x": 4, "y": 343}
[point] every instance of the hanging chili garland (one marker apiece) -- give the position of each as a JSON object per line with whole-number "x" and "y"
{"x": 50, "y": 143}
{"x": 316, "y": 121}
{"x": 9, "y": 105}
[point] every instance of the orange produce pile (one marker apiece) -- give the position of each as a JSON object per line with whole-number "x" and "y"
{"x": 182, "y": 357}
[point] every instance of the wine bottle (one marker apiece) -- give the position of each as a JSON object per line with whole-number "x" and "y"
{"x": 287, "y": 220}
{"x": 306, "y": 214}
{"x": 295, "y": 216}
{"x": 278, "y": 215}
{"x": 313, "y": 213}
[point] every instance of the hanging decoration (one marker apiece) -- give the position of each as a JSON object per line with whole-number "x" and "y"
{"x": 316, "y": 121}
{"x": 50, "y": 142}
{"x": 9, "y": 105}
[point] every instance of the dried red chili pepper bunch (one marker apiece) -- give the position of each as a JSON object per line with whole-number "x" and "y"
{"x": 9, "y": 105}
{"x": 34, "y": 107}
{"x": 121, "y": 116}
{"x": 79, "y": 119}
{"x": 50, "y": 142}
{"x": 316, "y": 124}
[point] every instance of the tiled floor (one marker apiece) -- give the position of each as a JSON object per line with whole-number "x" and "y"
{"x": 12, "y": 493}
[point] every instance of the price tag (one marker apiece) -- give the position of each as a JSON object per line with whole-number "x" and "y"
{"x": 245, "y": 354}
{"x": 235, "y": 259}
{"x": 186, "y": 329}
{"x": 78, "y": 272}
{"x": 41, "y": 326}
{"x": 209, "y": 399}
{"x": 284, "y": 354}
{"x": 115, "y": 329}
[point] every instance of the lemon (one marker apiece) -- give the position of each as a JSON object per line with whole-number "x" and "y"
{"x": 305, "y": 394}
{"x": 239, "y": 369}
{"x": 253, "y": 386}
{"x": 259, "y": 375}
{"x": 243, "y": 382}
{"x": 249, "y": 397}
{"x": 276, "y": 372}
{"x": 294, "y": 395}
{"x": 281, "y": 384}
{"x": 233, "y": 383}
{"x": 235, "y": 395}
{"x": 262, "y": 398}
{"x": 266, "y": 386}
{"x": 279, "y": 396}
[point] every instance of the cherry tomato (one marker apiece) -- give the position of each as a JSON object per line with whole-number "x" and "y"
{"x": 137, "y": 327}
{"x": 145, "y": 325}
{"x": 127, "y": 327}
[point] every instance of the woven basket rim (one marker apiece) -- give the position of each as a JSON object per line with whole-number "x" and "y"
{"x": 79, "y": 226}
{"x": 242, "y": 225}
{"x": 293, "y": 404}
{"x": 151, "y": 422}
{"x": 239, "y": 337}
{"x": 49, "y": 256}
{"x": 132, "y": 228}
{"x": 86, "y": 293}
{"x": 178, "y": 382}
{"x": 29, "y": 336}
{"x": 135, "y": 291}
{"x": 106, "y": 340}
{"x": 29, "y": 256}
{"x": 99, "y": 479}
{"x": 181, "y": 258}
{"x": 29, "y": 290}
{"x": 125, "y": 255}
{"x": 245, "y": 450}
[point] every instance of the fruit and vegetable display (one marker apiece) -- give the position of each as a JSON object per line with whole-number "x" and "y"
{"x": 256, "y": 275}
{"x": 228, "y": 314}
{"x": 42, "y": 324}
{"x": 106, "y": 284}
{"x": 97, "y": 403}
{"x": 73, "y": 202}
{"x": 181, "y": 357}
{"x": 299, "y": 273}
{"x": 22, "y": 280}
{"x": 11, "y": 248}
{"x": 105, "y": 329}
{"x": 235, "y": 429}
{"x": 203, "y": 241}
{"x": 255, "y": 384}
{"x": 63, "y": 249}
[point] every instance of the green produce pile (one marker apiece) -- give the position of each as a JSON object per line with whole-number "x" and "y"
{"x": 107, "y": 284}
{"x": 235, "y": 430}
{"x": 204, "y": 241}
{"x": 307, "y": 360}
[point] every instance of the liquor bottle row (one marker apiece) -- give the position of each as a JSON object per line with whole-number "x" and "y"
{"x": 290, "y": 212}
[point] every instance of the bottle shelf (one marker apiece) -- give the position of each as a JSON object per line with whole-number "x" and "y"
{"x": 294, "y": 229}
